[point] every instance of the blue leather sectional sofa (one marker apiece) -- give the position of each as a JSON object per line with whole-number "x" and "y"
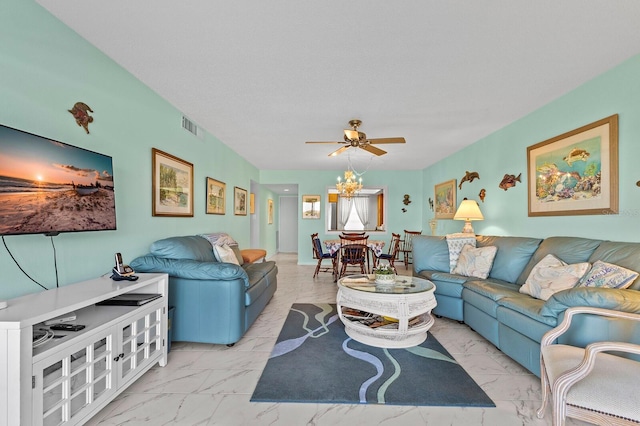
{"x": 515, "y": 322}
{"x": 214, "y": 302}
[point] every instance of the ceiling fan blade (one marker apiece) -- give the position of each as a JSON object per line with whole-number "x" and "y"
{"x": 387, "y": 140}
{"x": 326, "y": 142}
{"x": 373, "y": 149}
{"x": 339, "y": 151}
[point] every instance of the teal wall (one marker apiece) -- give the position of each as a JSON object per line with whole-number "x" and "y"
{"x": 44, "y": 69}
{"x": 316, "y": 182}
{"x": 614, "y": 92}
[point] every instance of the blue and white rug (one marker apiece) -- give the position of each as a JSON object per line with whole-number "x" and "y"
{"x": 315, "y": 361}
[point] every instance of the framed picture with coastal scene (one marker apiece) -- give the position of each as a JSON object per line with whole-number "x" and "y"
{"x": 239, "y": 201}
{"x": 575, "y": 173}
{"x": 172, "y": 185}
{"x": 445, "y": 205}
{"x": 311, "y": 207}
{"x": 216, "y": 194}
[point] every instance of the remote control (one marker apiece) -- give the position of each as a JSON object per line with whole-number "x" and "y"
{"x": 67, "y": 327}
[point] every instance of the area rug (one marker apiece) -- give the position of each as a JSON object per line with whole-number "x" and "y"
{"x": 315, "y": 361}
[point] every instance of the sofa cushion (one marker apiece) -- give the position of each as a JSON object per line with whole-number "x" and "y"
{"x": 551, "y": 275}
{"x": 222, "y": 238}
{"x": 452, "y": 278}
{"x": 568, "y": 249}
{"x": 191, "y": 269}
{"x": 493, "y": 289}
{"x": 190, "y": 247}
{"x": 455, "y": 243}
{"x": 513, "y": 255}
{"x": 225, "y": 254}
{"x": 524, "y": 324}
{"x": 258, "y": 280}
{"x": 430, "y": 253}
{"x": 475, "y": 262}
{"x": 608, "y": 275}
{"x": 623, "y": 254}
{"x": 608, "y": 298}
{"x": 527, "y": 306}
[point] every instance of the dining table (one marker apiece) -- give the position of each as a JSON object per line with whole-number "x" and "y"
{"x": 375, "y": 247}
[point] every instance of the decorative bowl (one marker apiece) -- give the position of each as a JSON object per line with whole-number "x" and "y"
{"x": 387, "y": 279}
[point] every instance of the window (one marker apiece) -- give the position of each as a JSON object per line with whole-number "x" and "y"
{"x": 364, "y": 212}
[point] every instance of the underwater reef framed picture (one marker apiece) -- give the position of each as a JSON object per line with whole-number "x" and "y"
{"x": 445, "y": 200}
{"x": 575, "y": 173}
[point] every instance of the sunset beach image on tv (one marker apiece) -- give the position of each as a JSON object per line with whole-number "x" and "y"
{"x": 49, "y": 187}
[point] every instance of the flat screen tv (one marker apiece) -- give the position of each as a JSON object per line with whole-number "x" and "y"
{"x": 48, "y": 187}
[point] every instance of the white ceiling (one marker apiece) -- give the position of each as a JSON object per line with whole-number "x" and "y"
{"x": 266, "y": 76}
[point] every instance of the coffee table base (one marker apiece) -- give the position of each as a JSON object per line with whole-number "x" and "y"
{"x": 388, "y": 338}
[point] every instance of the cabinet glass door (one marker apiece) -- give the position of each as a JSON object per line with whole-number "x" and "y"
{"x": 72, "y": 379}
{"x": 141, "y": 342}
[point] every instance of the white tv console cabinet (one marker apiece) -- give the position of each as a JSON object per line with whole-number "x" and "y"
{"x": 69, "y": 378}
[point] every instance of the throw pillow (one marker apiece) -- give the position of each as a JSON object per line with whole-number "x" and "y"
{"x": 225, "y": 254}
{"x": 475, "y": 262}
{"x": 608, "y": 275}
{"x": 551, "y": 275}
{"x": 456, "y": 242}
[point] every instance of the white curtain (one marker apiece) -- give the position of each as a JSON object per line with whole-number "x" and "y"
{"x": 344, "y": 208}
{"x": 362, "y": 209}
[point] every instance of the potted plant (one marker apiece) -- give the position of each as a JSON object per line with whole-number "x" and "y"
{"x": 384, "y": 275}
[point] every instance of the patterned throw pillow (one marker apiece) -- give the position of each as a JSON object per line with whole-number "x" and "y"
{"x": 225, "y": 254}
{"x": 608, "y": 275}
{"x": 551, "y": 275}
{"x": 455, "y": 243}
{"x": 475, "y": 262}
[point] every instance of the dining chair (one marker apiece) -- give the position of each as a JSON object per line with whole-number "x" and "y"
{"x": 321, "y": 256}
{"x": 407, "y": 247}
{"x": 589, "y": 383}
{"x": 391, "y": 254}
{"x": 354, "y": 252}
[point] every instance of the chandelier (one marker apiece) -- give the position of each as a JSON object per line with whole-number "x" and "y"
{"x": 350, "y": 186}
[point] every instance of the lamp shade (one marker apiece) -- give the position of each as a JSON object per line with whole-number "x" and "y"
{"x": 468, "y": 210}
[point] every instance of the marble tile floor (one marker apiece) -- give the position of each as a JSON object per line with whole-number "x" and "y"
{"x": 207, "y": 384}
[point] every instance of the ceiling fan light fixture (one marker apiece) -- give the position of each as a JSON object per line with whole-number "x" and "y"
{"x": 351, "y": 135}
{"x": 356, "y": 139}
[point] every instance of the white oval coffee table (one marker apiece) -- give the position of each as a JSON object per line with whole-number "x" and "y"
{"x": 405, "y": 307}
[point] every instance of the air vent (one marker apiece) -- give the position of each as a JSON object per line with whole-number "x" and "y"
{"x": 191, "y": 127}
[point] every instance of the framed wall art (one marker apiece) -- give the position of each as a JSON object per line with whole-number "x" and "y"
{"x": 172, "y": 185}
{"x": 216, "y": 194}
{"x": 240, "y": 201}
{"x": 444, "y": 204}
{"x": 311, "y": 207}
{"x": 269, "y": 211}
{"x": 575, "y": 173}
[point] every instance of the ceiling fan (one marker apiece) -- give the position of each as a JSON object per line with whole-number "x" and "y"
{"x": 357, "y": 139}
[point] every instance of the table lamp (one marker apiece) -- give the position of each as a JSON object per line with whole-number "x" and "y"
{"x": 468, "y": 211}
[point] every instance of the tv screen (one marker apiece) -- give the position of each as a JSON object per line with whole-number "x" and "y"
{"x": 47, "y": 187}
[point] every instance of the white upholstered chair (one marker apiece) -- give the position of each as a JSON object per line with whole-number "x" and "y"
{"x": 588, "y": 383}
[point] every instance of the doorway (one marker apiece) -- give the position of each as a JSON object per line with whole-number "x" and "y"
{"x": 288, "y": 225}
